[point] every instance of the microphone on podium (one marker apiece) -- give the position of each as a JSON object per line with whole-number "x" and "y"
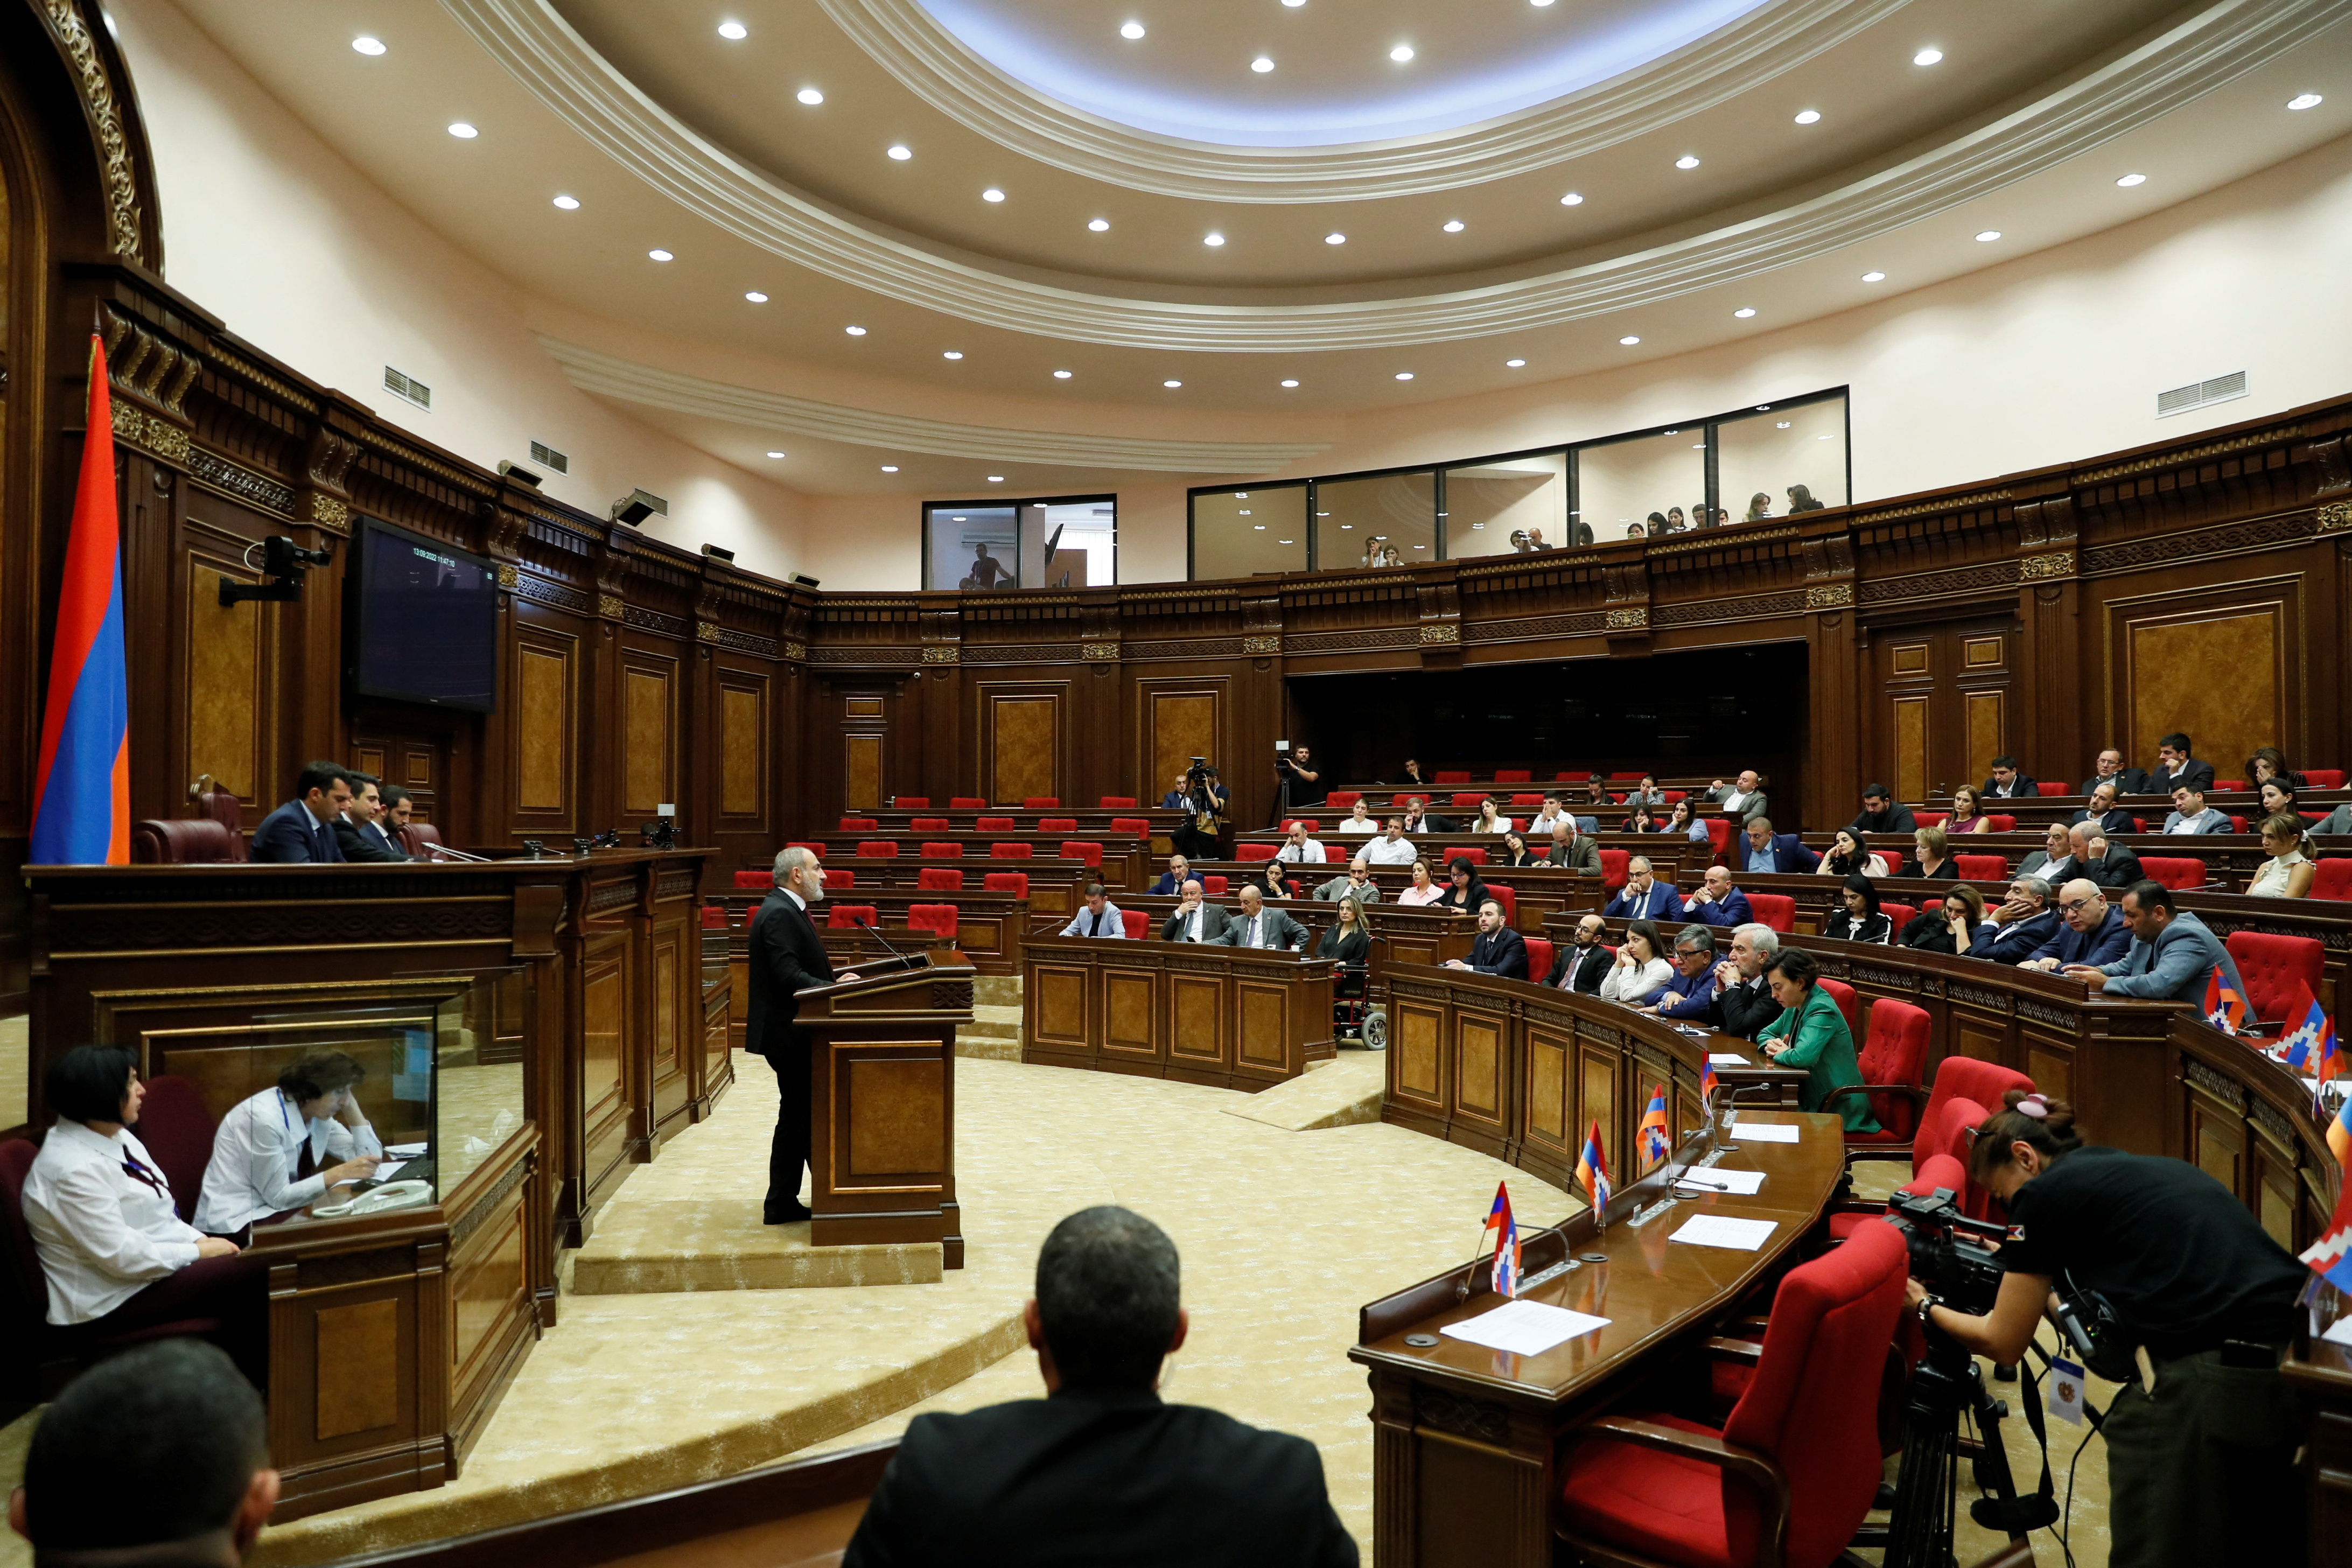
{"x": 868, "y": 927}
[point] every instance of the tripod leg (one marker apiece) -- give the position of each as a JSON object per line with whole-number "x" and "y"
{"x": 1919, "y": 1529}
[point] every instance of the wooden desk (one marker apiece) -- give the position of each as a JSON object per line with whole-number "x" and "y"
{"x": 1230, "y": 1018}
{"x": 1124, "y": 860}
{"x": 1398, "y": 936}
{"x": 1466, "y": 1441}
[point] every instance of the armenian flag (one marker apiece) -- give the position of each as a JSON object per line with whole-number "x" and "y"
{"x": 1707, "y": 1084}
{"x": 2224, "y": 1008}
{"x": 81, "y": 781}
{"x": 2301, "y": 1037}
{"x": 2331, "y": 1063}
{"x": 1592, "y": 1172}
{"x": 1657, "y": 1142}
{"x": 1506, "y": 1243}
{"x": 2339, "y": 1133}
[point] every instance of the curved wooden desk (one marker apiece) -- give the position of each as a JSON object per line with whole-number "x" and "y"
{"x": 1229, "y": 1018}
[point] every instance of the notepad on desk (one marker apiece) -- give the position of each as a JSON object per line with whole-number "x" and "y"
{"x": 1721, "y": 1230}
{"x": 1524, "y": 1327}
{"x": 1763, "y": 1132}
{"x": 1715, "y": 1179}
{"x": 1726, "y": 1060}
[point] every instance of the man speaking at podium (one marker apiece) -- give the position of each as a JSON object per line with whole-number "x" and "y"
{"x": 787, "y": 957}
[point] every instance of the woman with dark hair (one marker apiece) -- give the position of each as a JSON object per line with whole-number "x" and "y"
{"x": 113, "y": 1249}
{"x": 1968, "y": 812}
{"x": 1641, "y": 971}
{"x": 2202, "y": 1437}
{"x": 1800, "y": 498}
{"x": 1425, "y": 888}
{"x": 1464, "y": 891}
{"x": 1857, "y": 918}
{"x": 1950, "y": 926}
{"x": 1811, "y": 1033}
{"x": 1349, "y": 939}
{"x": 1848, "y": 857}
{"x": 1684, "y": 819}
{"x": 1642, "y": 819}
{"x": 1516, "y": 851}
{"x": 2278, "y": 798}
{"x": 1657, "y": 521}
{"x": 1675, "y": 522}
{"x": 282, "y": 1148}
{"x": 2269, "y": 762}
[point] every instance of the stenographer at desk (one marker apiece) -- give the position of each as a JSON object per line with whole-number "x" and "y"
{"x": 2201, "y": 1439}
{"x": 271, "y": 1150}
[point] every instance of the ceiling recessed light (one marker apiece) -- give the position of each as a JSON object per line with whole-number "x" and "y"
{"x": 1745, "y": 311}
{"x": 1061, "y": 375}
{"x": 1515, "y": 365}
{"x": 569, "y": 203}
{"x": 1874, "y": 278}
{"x": 1987, "y": 235}
{"x": 1290, "y": 383}
{"x": 1335, "y": 239}
{"x": 775, "y": 454}
{"x": 1100, "y": 224}
{"x": 1401, "y": 52}
{"x": 996, "y": 478}
{"x": 368, "y": 45}
{"x": 1539, "y": 4}
{"x": 736, "y": 30}
{"x": 2128, "y": 180}
{"x": 1926, "y": 56}
{"x": 2306, "y": 101}
{"x": 952, "y": 353}
{"x": 1779, "y": 424}
{"x": 1453, "y": 226}
{"x": 1246, "y": 511}
{"x": 991, "y": 195}
{"x": 1171, "y": 384}
{"x": 1571, "y": 200}
{"x": 1130, "y": 30}
{"x": 901, "y": 154}
{"x": 1258, "y": 526}
{"x": 756, "y": 296}
{"x": 463, "y": 131}
{"x": 1261, "y": 64}
{"x": 1404, "y": 375}
{"x": 1294, "y": 5}
{"x": 855, "y": 331}
{"x": 1629, "y": 342}
{"x": 809, "y": 95}
{"x": 1687, "y": 161}
{"x": 1212, "y": 240}
{"x": 659, "y": 255}
{"x": 1809, "y": 117}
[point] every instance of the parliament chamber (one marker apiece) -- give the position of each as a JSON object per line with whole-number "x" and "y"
{"x": 1167, "y": 694}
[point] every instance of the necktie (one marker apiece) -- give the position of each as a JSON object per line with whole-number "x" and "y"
{"x": 1252, "y": 931}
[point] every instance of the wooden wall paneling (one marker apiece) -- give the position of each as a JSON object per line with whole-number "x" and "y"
{"x": 1907, "y": 727}
{"x": 1175, "y": 719}
{"x": 1023, "y": 730}
{"x": 648, "y": 733}
{"x": 2225, "y": 662}
{"x": 745, "y": 737}
{"x": 1836, "y": 665}
{"x": 225, "y": 709}
{"x": 542, "y": 728}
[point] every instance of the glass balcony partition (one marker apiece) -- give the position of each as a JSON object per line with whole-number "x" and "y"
{"x": 1621, "y": 486}
{"x": 1497, "y": 508}
{"x": 1389, "y": 520}
{"x": 1782, "y": 459}
{"x": 1238, "y": 533}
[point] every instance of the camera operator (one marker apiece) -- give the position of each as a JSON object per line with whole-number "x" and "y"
{"x": 2201, "y": 1438}
{"x": 1297, "y": 785}
{"x": 1202, "y": 793}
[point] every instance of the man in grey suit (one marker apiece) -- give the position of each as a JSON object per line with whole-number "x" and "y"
{"x": 1572, "y": 847}
{"x": 1196, "y": 918}
{"x": 1257, "y": 926}
{"x": 1740, "y": 797}
{"x": 2191, "y": 814}
{"x": 1355, "y": 882}
{"x": 2172, "y": 952}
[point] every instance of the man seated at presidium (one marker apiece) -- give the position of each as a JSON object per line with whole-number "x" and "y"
{"x": 1257, "y": 926}
{"x": 1195, "y": 919}
{"x": 1689, "y": 995}
{"x": 2103, "y": 813}
{"x": 2176, "y": 766}
{"x": 1099, "y": 918}
{"x": 1101, "y": 1470}
{"x": 1767, "y": 851}
{"x": 1743, "y": 1003}
{"x": 1499, "y": 950}
{"x": 1298, "y": 849}
{"x": 2006, "y": 783}
{"x": 1573, "y": 848}
{"x": 273, "y": 1151}
{"x": 1642, "y": 897}
{"x": 2191, "y": 814}
{"x": 360, "y": 833}
{"x": 2017, "y": 926}
{"x": 1811, "y": 1033}
{"x": 1172, "y": 881}
{"x": 2172, "y": 952}
{"x": 302, "y": 831}
{"x": 787, "y": 957}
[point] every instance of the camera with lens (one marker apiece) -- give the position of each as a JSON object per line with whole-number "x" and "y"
{"x": 1948, "y": 1253}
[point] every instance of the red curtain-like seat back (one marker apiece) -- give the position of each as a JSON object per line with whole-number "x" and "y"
{"x": 931, "y": 825}
{"x": 1971, "y": 1078}
{"x": 2270, "y": 965}
{"x": 939, "y": 917}
{"x": 1139, "y": 826}
{"x": 1057, "y": 824}
{"x": 861, "y": 825}
{"x": 1513, "y": 775}
{"x": 1983, "y": 867}
{"x": 1778, "y": 910}
{"x": 1458, "y": 775}
{"x": 910, "y": 803}
{"x": 1612, "y": 868}
{"x": 1847, "y": 1003}
{"x": 996, "y": 825}
{"x": 2325, "y": 778}
{"x": 1340, "y": 800}
{"x": 966, "y": 803}
{"x": 1255, "y": 851}
{"x": 1081, "y": 849}
{"x": 2002, "y": 822}
{"x": 1539, "y": 957}
{"x": 1041, "y": 801}
{"x": 1214, "y": 887}
{"x": 816, "y": 849}
{"x": 1469, "y": 799}
{"x": 1012, "y": 851}
{"x": 2331, "y": 878}
{"x": 178, "y": 1131}
{"x": 2052, "y": 786}
{"x": 939, "y": 879}
{"x": 1719, "y": 833}
{"x": 941, "y": 850}
{"x": 1119, "y": 800}
{"x": 840, "y": 880}
{"x": 1476, "y": 855}
{"x": 2181, "y": 873}
{"x": 1136, "y": 923}
{"x": 1509, "y": 899}
{"x": 714, "y": 917}
{"x": 1897, "y": 915}
{"x": 1896, "y": 1052}
{"x": 1013, "y": 882}
{"x": 755, "y": 878}
{"x": 841, "y": 917}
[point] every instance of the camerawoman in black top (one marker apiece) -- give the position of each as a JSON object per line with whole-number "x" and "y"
{"x": 2201, "y": 1440}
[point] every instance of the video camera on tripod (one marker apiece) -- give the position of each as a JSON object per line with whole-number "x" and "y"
{"x": 1944, "y": 1256}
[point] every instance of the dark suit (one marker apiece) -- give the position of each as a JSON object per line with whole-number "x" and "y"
{"x": 1660, "y": 903}
{"x": 1168, "y": 885}
{"x": 2118, "y": 868}
{"x": 2103, "y": 945}
{"x": 1789, "y": 854}
{"x": 1591, "y": 963}
{"x": 367, "y": 842}
{"x": 787, "y": 957}
{"x": 1213, "y": 921}
{"x": 2115, "y": 822}
{"x": 1743, "y": 1009}
{"x": 1896, "y": 818}
{"x": 2018, "y": 941}
{"x": 288, "y": 837}
{"x": 1578, "y": 853}
{"x": 1731, "y": 909}
{"x": 1098, "y": 1476}
{"x": 2128, "y": 781}
{"x": 2197, "y": 774}
{"x": 2019, "y": 788}
{"x": 1499, "y": 952}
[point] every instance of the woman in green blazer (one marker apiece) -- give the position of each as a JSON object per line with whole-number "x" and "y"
{"x": 1811, "y": 1033}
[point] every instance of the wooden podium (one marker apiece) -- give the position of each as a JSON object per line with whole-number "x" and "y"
{"x": 882, "y": 1099}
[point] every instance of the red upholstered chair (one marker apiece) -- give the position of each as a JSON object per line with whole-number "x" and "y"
{"x": 939, "y": 879}
{"x": 2002, "y": 822}
{"x": 1719, "y": 833}
{"x": 1894, "y": 859}
{"x": 1119, "y": 800}
{"x": 1539, "y": 957}
{"x": 938, "y": 918}
{"x": 1057, "y": 824}
{"x": 2181, "y": 873}
{"x": 178, "y": 1131}
{"x": 412, "y": 839}
{"x": 1970, "y": 1081}
{"x": 229, "y": 812}
{"x": 1082, "y": 849}
{"x": 1931, "y": 818}
{"x": 840, "y": 880}
{"x": 1476, "y": 855}
{"x": 2230, "y": 786}
{"x": 1139, "y": 826}
{"x": 1612, "y": 867}
{"x": 1251, "y": 852}
{"x": 2331, "y": 878}
{"x": 1778, "y": 910}
{"x": 755, "y": 878}
{"x": 1513, "y": 775}
{"x": 1897, "y": 915}
{"x": 1848, "y": 1004}
{"x": 910, "y": 803}
{"x": 941, "y": 851}
{"x": 966, "y": 803}
{"x": 841, "y": 917}
{"x": 860, "y": 825}
{"x": 1792, "y": 1472}
{"x": 1309, "y": 823}
{"x": 1526, "y": 800}
{"x": 1040, "y": 801}
{"x": 1894, "y": 1060}
{"x": 1214, "y": 887}
{"x": 1636, "y": 776}
{"x": 2270, "y": 965}
{"x": 931, "y": 824}
{"x": 1509, "y": 899}
{"x": 996, "y": 825}
{"x": 1340, "y": 800}
{"x": 1461, "y": 776}
{"x": 1136, "y": 923}
{"x": 1986, "y": 868}
{"x": 1012, "y": 851}
{"x": 2237, "y": 823}
{"x": 1013, "y": 882}
{"x": 2053, "y": 786}
{"x": 184, "y": 841}
{"x": 2325, "y": 778}
{"x": 714, "y": 917}
{"x": 2139, "y": 825}
{"x": 1675, "y": 795}
{"x": 1469, "y": 799}
{"x": 816, "y": 849}
{"x": 1566, "y": 775}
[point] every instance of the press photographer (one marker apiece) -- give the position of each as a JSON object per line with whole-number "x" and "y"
{"x": 1296, "y": 784}
{"x": 1200, "y": 837}
{"x": 2195, "y": 1303}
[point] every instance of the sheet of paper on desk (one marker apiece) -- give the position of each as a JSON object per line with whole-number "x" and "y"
{"x": 1715, "y": 1178}
{"x": 1524, "y": 1327}
{"x": 1726, "y": 1060}
{"x": 389, "y": 1169}
{"x": 403, "y": 1151}
{"x": 1763, "y": 1132}
{"x": 2340, "y": 1331}
{"x": 1721, "y": 1230}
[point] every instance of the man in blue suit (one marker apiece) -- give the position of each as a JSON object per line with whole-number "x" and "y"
{"x": 2094, "y": 934}
{"x": 1719, "y": 903}
{"x": 302, "y": 831}
{"x": 2018, "y": 928}
{"x": 1769, "y": 851}
{"x": 2172, "y": 952}
{"x": 1644, "y": 896}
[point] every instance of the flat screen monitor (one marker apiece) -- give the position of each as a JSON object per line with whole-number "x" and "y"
{"x": 424, "y": 622}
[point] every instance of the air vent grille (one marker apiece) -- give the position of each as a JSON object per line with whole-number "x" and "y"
{"x": 542, "y": 453}
{"x": 2200, "y": 394}
{"x": 408, "y": 387}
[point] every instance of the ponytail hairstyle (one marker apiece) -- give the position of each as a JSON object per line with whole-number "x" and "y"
{"x": 2044, "y": 1124}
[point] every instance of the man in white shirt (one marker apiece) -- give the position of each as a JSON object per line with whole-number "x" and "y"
{"x": 1301, "y": 850}
{"x": 1391, "y": 847}
{"x": 1195, "y": 920}
{"x": 1550, "y": 817}
{"x": 2191, "y": 814}
{"x": 272, "y": 1152}
{"x": 1100, "y": 918}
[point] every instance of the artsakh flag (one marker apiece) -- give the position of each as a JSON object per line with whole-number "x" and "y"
{"x": 81, "y": 781}
{"x": 2330, "y": 1257}
{"x": 1506, "y": 1243}
{"x": 1592, "y": 1172}
{"x": 1656, "y": 1140}
{"x": 2305, "y": 1024}
{"x": 2224, "y": 1008}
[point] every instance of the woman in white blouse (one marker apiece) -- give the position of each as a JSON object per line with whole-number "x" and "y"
{"x": 114, "y": 1251}
{"x": 2288, "y": 873}
{"x": 1358, "y": 820}
{"x": 1639, "y": 973}
{"x": 1425, "y": 888}
{"x": 273, "y": 1151}
{"x": 1488, "y": 820}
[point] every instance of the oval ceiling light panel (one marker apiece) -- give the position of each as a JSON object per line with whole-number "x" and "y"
{"x": 1131, "y": 30}
{"x": 1874, "y": 278}
{"x": 463, "y": 131}
{"x": 1261, "y": 64}
{"x": 889, "y": 467}
{"x": 1171, "y": 384}
{"x": 1629, "y": 342}
{"x": 2306, "y": 101}
{"x": 775, "y": 454}
{"x": 1404, "y": 375}
{"x": 2128, "y": 180}
{"x": 1809, "y": 117}
{"x": 659, "y": 255}
{"x": 1335, "y": 239}
{"x": 1745, "y": 311}
{"x": 1572, "y": 199}
{"x": 855, "y": 331}
{"x": 809, "y": 95}
{"x": 1100, "y": 224}
{"x": 1453, "y": 226}
{"x": 1515, "y": 365}
{"x": 1290, "y": 383}
{"x": 1061, "y": 375}
{"x": 1926, "y": 56}
{"x": 756, "y": 296}
{"x": 952, "y": 353}
{"x": 1686, "y": 162}
{"x": 569, "y": 203}
{"x": 1401, "y": 52}
{"x": 368, "y": 45}
{"x": 733, "y": 31}
{"x": 991, "y": 195}
{"x": 1212, "y": 240}
{"x": 1987, "y": 235}
{"x": 901, "y": 154}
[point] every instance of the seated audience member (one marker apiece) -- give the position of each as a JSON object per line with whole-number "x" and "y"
{"x": 1255, "y": 925}
{"x": 1178, "y": 797}
{"x": 1743, "y": 1004}
{"x": 1463, "y": 893}
{"x": 1100, "y": 918}
{"x": 1172, "y": 879}
{"x": 2269, "y": 762}
{"x": 158, "y": 1456}
{"x": 1571, "y": 847}
{"x": 1688, "y": 996}
{"x": 1358, "y": 820}
{"x": 1267, "y": 879}
{"x": 2288, "y": 873}
{"x": 2172, "y": 952}
{"x": 1800, "y": 498}
{"x": 1968, "y": 812}
{"x": 1425, "y": 889}
{"x": 2128, "y": 781}
{"x": 1195, "y": 919}
{"x": 1516, "y": 853}
{"x": 2174, "y": 766}
{"x": 1391, "y": 847}
{"x": 1499, "y": 949}
{"x": 1881, "y": 813}
{"x": 1931, "y": 857}
{"x": 1675, "y": 522}
{"x": 1768, "y": 851}
{"x": 2110, "y": 865}
{"x": 1741, "y": 798}
{"x": 1655, "y": 523}
{"x": 1682, "y": 817}
{"x": 2104, "y": 814}
{"x": 1644, "y": 896}
{"x": 1857, "y": 917}
{"x": 2191, "y": 814}
{"x": 1647, "y": 793}
{"x": 1596, "y": 793}
{"x": 1951, "y": 927}
{"x": 1718, "y": 903}
{"x": 272, "y": 1152}
{"x": 2338, "y": 821}
{"x": 1760, "y": 507}
{"x": 2054, "y": 861}
{"x": 1641, "y": 971}
{"x": 1640, "y": 819}
{"x": 2007, "y": 782}
{"x": 1848, "y": 857}
{"x": 2277, "y": 797}
{"x": 1580, "y": 964}
{"x": 1554, "y": 813}
{"x": 1488, "y": 819}
{"x": 114, "y": 1252}
{"x": 1355, "y": 882}
{"x": 1101, "y": 1470}
{"x": 1348, "y": 942}
{"x": 1416, "y": 819}
{"x": 1413, "y": 777}
{"x": 2091, "y": 931}
{"x": 302, "y": 831}
{"x": 1300, "y": 850}
{"x": 2020, "y": 925}
{"x": 1811, "y": 1033}
{"x": 359, "y": 833}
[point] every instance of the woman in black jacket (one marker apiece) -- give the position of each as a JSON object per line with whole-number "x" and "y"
{"x": 1465, "y": 893}
{"x": 1857, "y": 918}
{"x": 1950, "y": 926}
{"x": 1348, "y": 940}
{"x": 1516, "y": 853}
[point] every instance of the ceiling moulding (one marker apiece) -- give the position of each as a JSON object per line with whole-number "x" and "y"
{"x": 608, "y": 375}
{"x": 2205, "y": 50}
{"x": 944, "y": 73}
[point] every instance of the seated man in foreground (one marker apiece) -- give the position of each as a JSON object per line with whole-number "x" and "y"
{"x": 1100, "y": 1471}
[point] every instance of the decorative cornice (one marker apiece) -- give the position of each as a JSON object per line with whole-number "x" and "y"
{"x": 2055, "y": 564}
{"x": 1829, "y": 596}
{"x": 141, "y": 429}
{"x": 1942, "y": 503}
{"x": 2336, "y": 517}
{"x": 654, "y": 621}
{"x": 1637, "y": 618}
{"x": 611, "y": 606}
{"x": 1442, "y": 631}
{"x": 327, "y": 511}
{"x": 1262, "y": 645}
{"x": 234, "y": 481}
{"x": 879, "y": 657}
{"x": 539, "y": 590}
{"x": 1928, "y": 584}
{"x": 506, "y": 575}
{"x": 2184, "y": 455}
{"x": 1098, "y": 652}
{"x": 113, "y": 146}
{"x": 943, "y": 653}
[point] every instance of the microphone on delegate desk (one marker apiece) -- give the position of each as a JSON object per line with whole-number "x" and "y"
{"x": 868, "y": 927}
